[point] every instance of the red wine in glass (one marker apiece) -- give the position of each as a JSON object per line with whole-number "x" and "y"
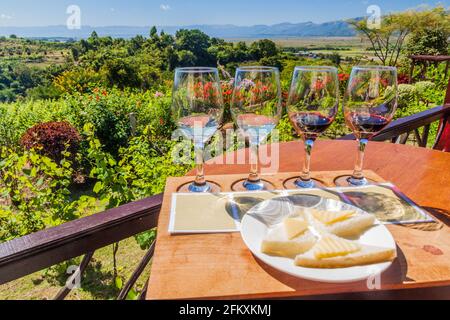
{"x": 365, "y": 125}
{"x": 310, "y": 124}
{"x": 370, "y": 102}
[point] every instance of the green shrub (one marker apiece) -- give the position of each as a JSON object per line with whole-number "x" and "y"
{"x": 34, "y": 193}
{"x": 407, "y": 94}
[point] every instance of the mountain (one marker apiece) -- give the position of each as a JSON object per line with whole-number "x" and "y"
{"x": 305, "y": 29}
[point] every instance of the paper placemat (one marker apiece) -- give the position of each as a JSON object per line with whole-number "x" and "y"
{"x": 222, "y": 212}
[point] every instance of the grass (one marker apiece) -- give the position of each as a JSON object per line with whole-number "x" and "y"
{"x": 97, "y": 283}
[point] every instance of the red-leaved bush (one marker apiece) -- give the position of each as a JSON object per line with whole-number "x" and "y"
{"x": 52, "y": 138}
{"x": 403, "y": 78}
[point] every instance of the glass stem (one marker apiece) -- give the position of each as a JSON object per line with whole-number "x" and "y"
{"x": 358, "y": 172}
{"x": 254, "y": 160}
{"x": 199, "y": 161}
{"x": 306, "y": 174}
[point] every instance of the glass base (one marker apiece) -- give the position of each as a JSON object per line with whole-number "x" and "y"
{"x": 343, "y": 181}
{"x": 291, "y": 184}
{"x": 303, "y": 184}
{"x": 357, "y": 182}
{"x": 199, "y": 188}
{"x": 244, "y": 184}
{"x": 191, "y": 187}
{"x": 254, "y": 185}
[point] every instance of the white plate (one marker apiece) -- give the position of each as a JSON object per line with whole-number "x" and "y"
{"x": 260, "y": 219}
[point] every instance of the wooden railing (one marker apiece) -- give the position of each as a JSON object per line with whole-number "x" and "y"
{"x": 46, "y": 248}
{"x": 34, "y": 252}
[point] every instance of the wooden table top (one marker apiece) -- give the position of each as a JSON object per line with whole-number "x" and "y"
{"x": 220, "y": 266}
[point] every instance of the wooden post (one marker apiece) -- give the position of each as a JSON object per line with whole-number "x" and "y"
{"x": 446, "y": 68}
{"x": 447, "y": 97}
{"x": 411, "y": 72}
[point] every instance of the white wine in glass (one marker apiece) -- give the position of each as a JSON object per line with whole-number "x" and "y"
{"x": 197, "y": 110}
{"x": 256, "y": 110}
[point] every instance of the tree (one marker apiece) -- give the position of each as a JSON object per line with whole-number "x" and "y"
{"x": 153, "y": 32}
{"x": 431, "y": 42}
{"x": 197, "y": 43}
{"x": 136, "y": 43}
{"x": 263, "y": 49}
{"x": 75, "y": 53}
{"x": 93, "y": 40}
{"x": 122, "y": 73}
{"x": 166, "y": 40}
{"x": 388, "y": 40}
{"x": 94, "y": 35}
{"x": 171, "y": 58}
{"x": 186, "y": 58}
{"x": 273, "y": 61}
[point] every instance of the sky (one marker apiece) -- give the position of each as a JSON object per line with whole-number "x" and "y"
{"x": 19, "y": 13}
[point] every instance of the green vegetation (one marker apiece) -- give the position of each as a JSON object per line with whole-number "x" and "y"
{"x": 388, "y": 40}
{"x": 85, "y": 126}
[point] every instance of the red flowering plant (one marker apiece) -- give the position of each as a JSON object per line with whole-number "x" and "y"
{"x": 256, "y": 102}
{"x": 227, "y": 94}
{"x": 343, "y": 82}
{"x": 204, "y": 96}
{"x": 254, "y": 93}
{"x": 97, "y": 94}
{"x": 227, "y": 91}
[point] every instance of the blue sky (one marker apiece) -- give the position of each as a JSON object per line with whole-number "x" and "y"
{"x": 178, "y": 12}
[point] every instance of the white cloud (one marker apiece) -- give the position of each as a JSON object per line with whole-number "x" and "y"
{"x": 5, "y": 17}
{"x": 164, "y": 7}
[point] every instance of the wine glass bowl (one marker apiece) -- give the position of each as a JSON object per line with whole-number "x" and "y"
{"x": 312, "y": 107}
{"x": 256, "y": 111}
{"x": 370, "y": 103}
{"x": 197, "y": 109}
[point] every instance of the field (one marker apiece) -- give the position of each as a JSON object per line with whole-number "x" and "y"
{"x": 33, "y": 54}
{"x": 345, "y": 46}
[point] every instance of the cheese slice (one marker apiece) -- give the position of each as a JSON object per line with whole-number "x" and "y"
{"x": 295, "y": 226}
{"x": 329, "y": 247}
{"x": 366, "y": 255}
{"x": 331, "y": 217}
{"x": 277, "y": 243}
{"x": 353, "y": 227}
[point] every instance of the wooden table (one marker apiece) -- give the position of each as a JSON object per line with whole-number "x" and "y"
{"x": 220, "y": 266}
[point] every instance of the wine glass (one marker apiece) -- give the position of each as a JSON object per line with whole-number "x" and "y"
{"x": 256, "y": 110}
{"x": 312, "y": 107}
{"x": 197, "y": 109}
{"x": 369, "y": 105}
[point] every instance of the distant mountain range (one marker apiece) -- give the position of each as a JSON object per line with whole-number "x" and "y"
{"x": 305, "y": 29}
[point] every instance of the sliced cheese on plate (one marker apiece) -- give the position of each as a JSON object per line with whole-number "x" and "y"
{"x": 295, "y": 226}
{"x": 277, "y": 243}
{"x": 331, "y": 217}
